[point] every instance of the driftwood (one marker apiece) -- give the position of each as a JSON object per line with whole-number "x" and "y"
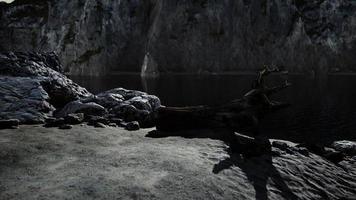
{"x": 238, "y": 115}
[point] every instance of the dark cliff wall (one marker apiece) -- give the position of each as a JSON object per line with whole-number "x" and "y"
{"x": 94, "y": 37}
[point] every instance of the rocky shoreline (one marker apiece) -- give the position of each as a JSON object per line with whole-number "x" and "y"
{"x": 33, "y": 90}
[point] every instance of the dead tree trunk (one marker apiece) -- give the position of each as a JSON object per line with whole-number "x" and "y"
{"x": 239, "y": 114}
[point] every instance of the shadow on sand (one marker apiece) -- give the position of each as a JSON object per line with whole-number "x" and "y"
{"x": 259, "y": 169}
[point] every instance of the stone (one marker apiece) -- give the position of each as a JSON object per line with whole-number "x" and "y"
{"x": 65, "y": 126}
{"x": 23, "y": 99}
{"x": 55, "y": 123}
{"x": 45, "y": 69}
{"x": 312, "y": 147}
{"x": 280, "y": 145}
{"x": 132, "y": 126}
{"x": 89, "y": 108}
{"x": 32, "y": 86}
{"x": 10, "y": 123}
{"x": 74, "y": 118}
{"x": 112, "y": 124}
{"x": 92, "y": 120}
{"x": 116, "y": 120}
{"x": 99, "y": 125}
{"x": 344, "y": 146}
{"x": 108, "y": 100}
{"x": 138, "y": 106}
{"x": 33, "y": 90}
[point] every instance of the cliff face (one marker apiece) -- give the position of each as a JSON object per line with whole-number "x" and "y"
{"x": 91, "y": 37}
{"x": 95, "y": 37}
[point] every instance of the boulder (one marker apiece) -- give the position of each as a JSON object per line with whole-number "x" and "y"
{"x": 33, "y": 90}
{"x": 107, "y": 99}
{"x": 32, "y": 86}
{"x": 65, "y": 127}
{"x": 99, "y": 125}
{"x": 46, "y": 69}
{"x": 92, "y": 120}
{"x": 89, "y": 108}
{"x": 344, "y": 146}
{"x": 117, "y": 121}
{"x": 132, "y": 126}
{"x": 112, "y": 124}
{"x": 24, "y": 99}
{"x": 137, "y": 106}
{"x": 74, "y": 118}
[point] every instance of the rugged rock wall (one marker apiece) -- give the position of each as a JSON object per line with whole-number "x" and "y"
{"x": 94, "y": 37}
{"x": 91, "y": 37}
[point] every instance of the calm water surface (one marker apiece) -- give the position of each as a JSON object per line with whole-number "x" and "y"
{"x": 323, "y": 109}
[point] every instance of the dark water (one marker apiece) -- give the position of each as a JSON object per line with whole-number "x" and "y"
{"x": 323, "y": 109}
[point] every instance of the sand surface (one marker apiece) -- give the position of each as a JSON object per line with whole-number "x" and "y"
{"x": 112, "y": 163}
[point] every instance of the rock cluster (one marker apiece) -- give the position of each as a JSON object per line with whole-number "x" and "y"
{"x": 33, "y": 90}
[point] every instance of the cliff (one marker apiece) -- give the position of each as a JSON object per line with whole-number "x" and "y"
{"x": 95, "y": 37}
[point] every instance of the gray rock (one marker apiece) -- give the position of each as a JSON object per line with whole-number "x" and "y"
{"x": 24, "y": 99}
{"x": 99, "y": 125}
{"x": 112, "y": 124}
{"x": 108, "y": 100}
{"x": 57, "y": 86}
{"x": 349, "y": 164}
{"x": 125, "y": 111}
{"x": 33, "y": 87}
{"x": 74, "y": 118}
{"x": 65, "y": 127}
{"x": 344, "y": 146}
{"x": 137, "y": 106}
{"x": 89, "y": 108}
{"x": 117, "y": 121}
{"x": 132, "y": 126}
{"x": 92, "y": 120}
{"x": 280, "y": 145}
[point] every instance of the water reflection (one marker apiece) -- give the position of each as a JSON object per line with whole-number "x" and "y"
{"x": 323, "y": 109}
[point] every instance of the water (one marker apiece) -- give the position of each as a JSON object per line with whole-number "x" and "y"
{"x": 322, "y": 109}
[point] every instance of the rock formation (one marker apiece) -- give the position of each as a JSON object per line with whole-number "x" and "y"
{"x": 95, "y": 37}
{"x": 33, "y": 90}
